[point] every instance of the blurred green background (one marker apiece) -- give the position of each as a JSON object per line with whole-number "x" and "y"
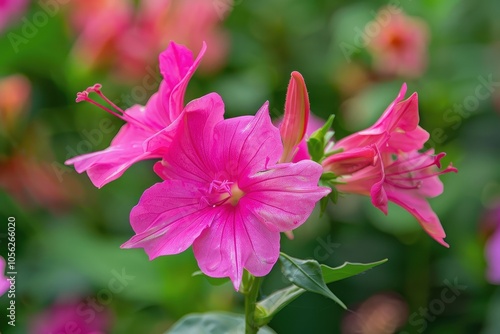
{"x": 68, "y": 233}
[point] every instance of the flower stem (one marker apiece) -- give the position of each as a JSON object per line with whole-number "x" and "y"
{"x": 251, "y": 292}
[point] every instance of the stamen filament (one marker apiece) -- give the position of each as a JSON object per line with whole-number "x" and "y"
{"x": 84, "y": 97}
{"x": 121, "y": 114}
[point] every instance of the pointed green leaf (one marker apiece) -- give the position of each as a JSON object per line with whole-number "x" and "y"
{"x": 319, "y": 139}
{"x": 267, "y": 308}
{"x": 214, "y": 322}
{"x": 346, "y": 270}
{"x": 307, "y": 275}
{"x": 322, "y": 132}
{"x": 315, "y": 148}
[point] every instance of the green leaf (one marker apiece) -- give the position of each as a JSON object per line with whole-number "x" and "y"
{"x": 212, "y": 323}
{"x": 346, "y": 270}
{"x": 315, "y": 148}
{"x": 322, "y": 132}
{"x": 319, "y": 139}
{"x": 307, "y": 275}
{"x": 211, "y": 280}
{"x": 267, "y": 308}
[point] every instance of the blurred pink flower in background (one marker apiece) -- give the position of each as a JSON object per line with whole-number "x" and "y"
{"x": 15, "y": 94}
{"x": 491, "y": 226}
{"x": 71, "y": 316}
{"x": 30, "y": 180}
{"x": 116, "y": 34}
{"x": 379, "y": 314}
{"x": 35, "y": 183}
{"x": 10, "y": 10}
{"x": 4, "y": 282}
{"x": 401, "y": 46}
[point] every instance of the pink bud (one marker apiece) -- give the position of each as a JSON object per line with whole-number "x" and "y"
{"x": 294, "y": 125}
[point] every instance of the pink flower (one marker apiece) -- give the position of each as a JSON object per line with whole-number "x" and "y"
{"x": 117, "y": 34}
{"x": 491, "y": 228}
{"x": 66, "y": 317}
{"x": 297, "y": 109}
{"x": 407, "y": 180}
{"x": 224, "y": 193}
{"x": 15, "y": 97}
{"x": 395, "y": 131}
{"x": 383, "y": 162}
{"x": 4, "y": 281}
{"x": 493, "y": 257}
{"x": 28, "y": 178}
{"x": 192, "y": 22}
{"x": 148, "y": 130}
{"x": 37, "y": 183}
{"x": 401, "y": 46}
{"x": 10, "y": 10}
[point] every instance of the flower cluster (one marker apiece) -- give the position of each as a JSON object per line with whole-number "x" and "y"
{"x": 126, "y": 35}
{"x": 230, "y": 186}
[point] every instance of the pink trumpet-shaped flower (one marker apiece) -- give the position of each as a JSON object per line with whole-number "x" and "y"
{"x": 4, "y": 281}
{"x": 297, "y": 109}
{"x": 224, "y": 193}
{"x": 395, "y": 131}
{"x": 407, "y": 180}
{"x": 383, "y": 162}
{"x": 148, "y": 130}
{"x": 126, "y": 35}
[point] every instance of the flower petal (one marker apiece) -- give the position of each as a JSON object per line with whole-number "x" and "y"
{"x": 284, "y": 196}
{"x": 247, "y": 144}
{"x": 107, "y": 165}
{"x": 420, "y": 208}
{"x": 177, "y": 67}
{"x": 168, "y": 218}
{"x": 493, "y": 257}
{"x": 396, "y": 130}
{"x": 4, "y": 282}
{"x": 350, "y": 161}
{"x": 190, "y": 155}
{"x": 235, "y": 241}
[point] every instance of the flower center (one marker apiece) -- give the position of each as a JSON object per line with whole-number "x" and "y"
{"x": 222, "y": 192}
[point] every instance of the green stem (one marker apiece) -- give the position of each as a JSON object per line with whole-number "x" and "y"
{"x": 251, "y": 292}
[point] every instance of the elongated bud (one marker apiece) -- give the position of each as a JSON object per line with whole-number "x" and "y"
{"x": 294, "y": 125}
